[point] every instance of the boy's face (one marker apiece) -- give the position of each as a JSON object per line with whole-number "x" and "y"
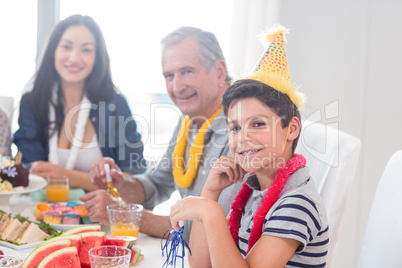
{"x": 256, "y": 136}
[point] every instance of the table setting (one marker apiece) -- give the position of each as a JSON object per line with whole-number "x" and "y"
{"x": 22, "y": 203}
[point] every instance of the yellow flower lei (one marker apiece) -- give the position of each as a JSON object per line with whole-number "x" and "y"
{"x": 186, "y": 179}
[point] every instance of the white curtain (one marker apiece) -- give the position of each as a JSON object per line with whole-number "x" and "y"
{"x": 250, "y": 18}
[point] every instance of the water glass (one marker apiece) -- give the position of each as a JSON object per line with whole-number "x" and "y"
{"x": 109, "y": 256}
{"x": 10, "y": 261}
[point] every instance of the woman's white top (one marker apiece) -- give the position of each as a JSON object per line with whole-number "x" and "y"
{"x": 85, "y": 158}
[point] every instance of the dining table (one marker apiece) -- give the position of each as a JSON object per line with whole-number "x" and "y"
{"x": 150, "y": 246}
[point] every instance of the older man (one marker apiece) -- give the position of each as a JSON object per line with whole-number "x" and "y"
{"x": 196, "y": 78}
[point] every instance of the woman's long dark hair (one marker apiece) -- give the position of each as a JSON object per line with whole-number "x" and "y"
{"x": 98, "y": 85}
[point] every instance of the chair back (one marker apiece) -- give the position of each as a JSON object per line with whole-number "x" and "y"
{"x": 6, "y": 112}
{"x": 382, "y": 242}
{"x": 332, "y": 156}
{"x": 7, "y": 105}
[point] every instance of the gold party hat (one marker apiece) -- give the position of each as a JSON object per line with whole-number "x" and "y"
{"x": 272, "y": 69}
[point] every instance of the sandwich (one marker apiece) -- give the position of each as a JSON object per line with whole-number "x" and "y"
{"x": 3, "y": 223}
{"x": 32, "y": 234}
{"x": 15, "y": 231}
{"x": 12, "y": 227}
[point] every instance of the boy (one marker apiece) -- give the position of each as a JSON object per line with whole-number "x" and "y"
{"x": 277, "y": 219}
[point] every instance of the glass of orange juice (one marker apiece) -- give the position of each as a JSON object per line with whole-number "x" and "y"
{"x": 125, "y": 219}
{"x": 57, "y": 189}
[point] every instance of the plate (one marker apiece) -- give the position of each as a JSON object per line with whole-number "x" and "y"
{"x": 22, "y": 247}
{"x": 35, "y": 183}
{"x": 9, "y": 251}
{"x": 62, "y": 227}
{"x": 65, "y": 227}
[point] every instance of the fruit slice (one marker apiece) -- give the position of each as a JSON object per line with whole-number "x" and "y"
{"x": 65, "y": 257}
{"x": 76, "y": 240}
{"x": 135, "y": 255}
{"x": 39, "y": 253}
{"x": 83, "y": 229}
{"x": 90, "y": 240}
{"x": 122, "y": 241}
{"x": 140, "y": 258}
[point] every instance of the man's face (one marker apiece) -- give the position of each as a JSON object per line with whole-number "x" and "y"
{"x": 193, "y": 88}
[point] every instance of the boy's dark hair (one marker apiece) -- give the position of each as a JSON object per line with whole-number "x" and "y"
{"x": 279, "y": 102}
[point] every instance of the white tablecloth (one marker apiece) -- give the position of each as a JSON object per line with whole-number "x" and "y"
{"x": 150, "y": 246}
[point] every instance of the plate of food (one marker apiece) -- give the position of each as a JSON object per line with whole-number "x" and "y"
{"x": 9, "y": 252}
{"x": 15, "y": 178}
{"x": 62, "y": 216}
{"x": 35, "y": 183}
{"x": 19, "y": 233}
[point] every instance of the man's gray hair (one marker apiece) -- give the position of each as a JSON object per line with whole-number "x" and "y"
{"x": 210, "y": 50}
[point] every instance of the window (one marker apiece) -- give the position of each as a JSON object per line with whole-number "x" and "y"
{"x": 133, "y": 30}
{"x": 17, "y": 48}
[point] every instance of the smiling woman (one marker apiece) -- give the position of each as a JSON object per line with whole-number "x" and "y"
{"x": 68, "y": 120}
{"x": 75, "y": 55}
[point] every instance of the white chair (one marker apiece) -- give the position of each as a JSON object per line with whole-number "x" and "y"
{"x": 332, "y": 156}
{"x": 6, "y": 113}
{"x": 7, "y": 105}
{"x": 382, "y": 242}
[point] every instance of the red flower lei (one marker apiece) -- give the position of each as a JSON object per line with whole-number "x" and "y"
{"x": 240, "y": 201}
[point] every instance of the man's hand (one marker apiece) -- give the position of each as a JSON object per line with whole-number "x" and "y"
{"x": 95, "y": 203}
{"x": 97, "y": 173}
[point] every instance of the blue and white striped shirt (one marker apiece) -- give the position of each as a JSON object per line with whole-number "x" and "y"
{"x": 298, "y": 214}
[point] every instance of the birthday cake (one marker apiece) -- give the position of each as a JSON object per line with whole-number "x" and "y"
{"x": 14, "y": 172}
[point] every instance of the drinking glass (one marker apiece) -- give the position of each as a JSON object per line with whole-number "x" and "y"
{"x": 125, "y": 219}
{"x": 109, "y": 256}
{"x": 10, "y": 261}
{"x": 57, "y": 189}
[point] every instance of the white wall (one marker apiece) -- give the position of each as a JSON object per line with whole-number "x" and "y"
{"x": 350, "y": 51}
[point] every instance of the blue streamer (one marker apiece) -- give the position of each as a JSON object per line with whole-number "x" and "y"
{"x": 172, "y": 246}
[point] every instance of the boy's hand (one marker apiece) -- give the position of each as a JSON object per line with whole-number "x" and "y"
{"x": 224, "y": 173}
{"x": 192, "y": 208}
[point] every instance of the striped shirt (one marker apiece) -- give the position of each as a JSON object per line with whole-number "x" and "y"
{"x": 298, "y": 214}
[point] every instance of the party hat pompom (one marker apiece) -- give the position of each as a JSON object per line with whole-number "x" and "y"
{"x": 272, "y": 69}
{"x": 268, "y": 36}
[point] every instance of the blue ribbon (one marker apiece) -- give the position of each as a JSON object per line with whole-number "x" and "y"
{"x": 172, "y": 247}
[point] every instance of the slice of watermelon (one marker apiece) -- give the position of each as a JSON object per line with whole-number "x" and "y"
{"x": 39, "y": 253}
{"x": 65, "y": 257}
{"x": 90, "y": 240}
{"x": 122, "y": 241}
{"x": 135, "y": 254}
{"x": 83, "y": 229}
{"x": 76, "y": 240}
{"x": 140, "y": 258}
